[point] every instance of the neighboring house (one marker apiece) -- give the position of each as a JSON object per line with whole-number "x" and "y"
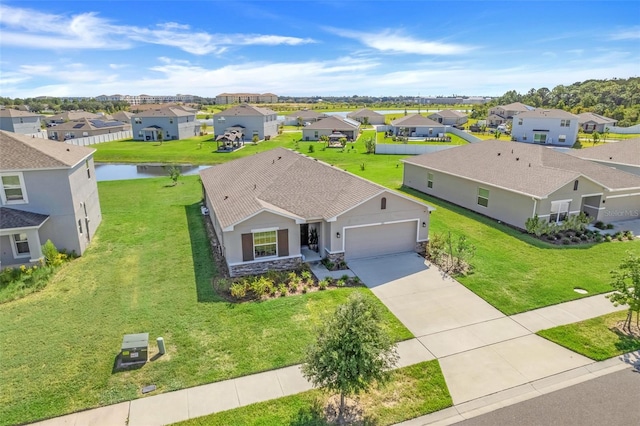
{"x": 84, "y": 128}
{"x": 174, "y": 123}
{"x": 416, "y": 125}
{"x": 239, "y": 98}
{"x": 545, "y": 126}
{"x": 256, "y": 121}
{"x": 591, "y": 122}
{"x": 16, "y": 121}
{"x": 265, "y": 207}
{"x": 512, "y": 182}
{"x": 48, "y": 190}
{"x": 623, "y": 155}
{"x": 302, "y": 117}
{"x": 122, "y": 116}
{"x": 332, "y": 125}
{"x": 70, "y": 116}
{"x": 502, "y": 114}
{"x": 366, "y": 115}
{"x": 449, "y": 117}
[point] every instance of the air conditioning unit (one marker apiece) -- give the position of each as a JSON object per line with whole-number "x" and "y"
{"x": 135, "y": 348}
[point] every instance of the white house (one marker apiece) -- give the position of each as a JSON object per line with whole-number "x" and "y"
{"x": 256, "y": 121}
{"x": 545, "y": 126}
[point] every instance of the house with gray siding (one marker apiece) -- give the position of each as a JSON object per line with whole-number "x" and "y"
{"x": 174, "y": 123}
{"x": 416, "y": 125}
{"x": 84, "y": 128}
{"x": 512, "y": 182}
{"x": 266, "y": 209}
{"x": 63, "y": 117}
{"x": 591, "y": 122}
{"x": 502, "y": 114}
{"x": 332, "y": 126}
{"x": 256, "y": 121}
{"x": 545, "y": 127}
{"x": 48, "y": 191}
{"x": 23, "y": 122}
{"x": 302, "y": 117}
{"x": 366, "y": 115}
{"x": 449, "y": 117}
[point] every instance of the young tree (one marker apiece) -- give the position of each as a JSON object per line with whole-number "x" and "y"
{"x": 626, "y": 286}
{"x": 174, "y": 174}
{"x": 160, "y": 136}
{"x": 352, "y": 351}
{"x": 596, "y": 137}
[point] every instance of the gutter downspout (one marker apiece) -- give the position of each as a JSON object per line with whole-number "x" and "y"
{"x": 535, "y": 206}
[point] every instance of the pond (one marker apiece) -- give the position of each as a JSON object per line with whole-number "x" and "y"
{"x": 106, "y": 172}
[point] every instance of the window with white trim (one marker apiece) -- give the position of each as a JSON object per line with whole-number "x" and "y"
{"x": 562, "y": 138}
{"x": 13, "y": 190}
{"x": 21, "y": 245}
{"x": 429, "y": 180}
{"x": 137, "y": 120}
{"x": 559, "y": 211}
{"x": 483, "y": 197}
{"x": 539, "y": 138}
{"x": 565, "y": 123}
{"x": 265, "y": 244}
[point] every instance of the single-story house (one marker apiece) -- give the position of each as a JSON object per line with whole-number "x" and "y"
{"x": 84, "y": 128}
{"x": 512, "y": 182}
{"x": 503, "y": 113}
{"x": 367, "y": 116}
{"x": 173, "y": 122}
{"x": 122, "y": 116}
{"x": 257, "y": 121}
{"x": 266, "y": 209}
{"x": 623, "y": 155}
{"x": 330, "y": 125}
{"x": 416, "y": 125}
{"x": 24, "y": 122}
{"x": 302, "y": 117}
{"x": 591, "y": 122}
{"x": 449, "y": 117}
{"x": 70, "y": 116}
{"x": 48, "y": 191}
{"x": 546, "y": 127}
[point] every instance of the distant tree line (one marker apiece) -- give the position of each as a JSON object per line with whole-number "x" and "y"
{"x": 39, "y": 105}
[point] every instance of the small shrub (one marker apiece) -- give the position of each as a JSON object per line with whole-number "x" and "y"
{"x": 566, "y": 241}
{"x": 608, "y": 238}
{"x": 551, "y": 238}
{"x": 311, "y": 149}
{"x": 282, "y": 289}
{"x": 362, "y": 166}
{"x": 344, "y": 277}
{"x": 609, "y": 226}
{"x": 50, "y": 253}
{"x": 355, "y": 280}
{"x": 342, "y": 265}
{"x": 584, "y": 237}
{"x": 575, "y": 239}
{"x": 222, "y": 285}
{"x": 328, "y": 264}
{"x": 323, "y": 284}
{"x": 305, "y": 289}
{"x": 599, "y": 238}
{"x": 255, "y": 139}
{"x": 620, "y": 237}
{"x": 340, "y": 283}
{"x": 307, "y": 277}
{"x": 599, "y": 224}
{"x": 238, "y": 290}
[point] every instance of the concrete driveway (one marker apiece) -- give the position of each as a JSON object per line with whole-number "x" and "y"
{"x": 481, "y": 351}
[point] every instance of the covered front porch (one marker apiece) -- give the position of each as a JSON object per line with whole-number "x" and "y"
{"x": 311, "y": 241}
{"x": 20, "y": 237}
{"x": 151, "y": 133}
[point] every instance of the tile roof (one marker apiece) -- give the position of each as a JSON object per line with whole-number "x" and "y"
{"x": 547, "y": 113}
{"x": 165, "y": 112}
{"x": 415, "y": 120}
{"x": 530, "y": 169}
{"x": 333, "y": 122}
{"x": 16, "y": 113}
{"x": 596, "y": 118}
{"x": 244, "y": 110}
{"x": 284, "y": 181}
{"x": 623, "y": 152}
{"x": 13, "y": 218}
{"x": 20, "y": 152}
{"x": 364, "y": 112}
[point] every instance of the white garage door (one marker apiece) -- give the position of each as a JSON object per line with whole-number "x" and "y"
{"x": 622, "y": 208}
{"x": 380, "y": 240}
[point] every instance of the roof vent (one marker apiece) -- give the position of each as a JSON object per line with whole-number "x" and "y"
{"x": 280, "y": 158}
{"x": 517, "y": 158}
{"x": 68, "y": 149}
{"x": 226, "y": 196}
{"x": 273, "y": 162}
{"x": 529, "y": 164}
{"x": 512, "y": 151}
{"x": 610, "y": 158}
{"x": 498, "y": 154}
{"x": 255, "y": 186}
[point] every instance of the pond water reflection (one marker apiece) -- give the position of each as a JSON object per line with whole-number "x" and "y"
{"x": 106, "y": 172}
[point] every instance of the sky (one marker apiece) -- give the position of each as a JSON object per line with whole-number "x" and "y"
{"x": 312, "y": 48}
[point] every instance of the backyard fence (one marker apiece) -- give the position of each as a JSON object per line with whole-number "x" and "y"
{"x": 464, "y": 135}
{"x": 625, "y": 130}
{"x": 410, "y": 149}
{"x": 108, "y": 137}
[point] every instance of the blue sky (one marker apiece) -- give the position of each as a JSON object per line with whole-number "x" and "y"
{"x": 323, "y": 48}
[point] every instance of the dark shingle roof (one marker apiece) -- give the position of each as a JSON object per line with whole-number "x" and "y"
{"x": 13, "y": 219}
{"x": 333, "y": 123}
{"x": 20, "y": 152}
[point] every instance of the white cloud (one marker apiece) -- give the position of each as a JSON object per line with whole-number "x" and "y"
{"x": 37, "y": 30}
{"x": 632, "y": 33}
{"x": 395, "y": 42}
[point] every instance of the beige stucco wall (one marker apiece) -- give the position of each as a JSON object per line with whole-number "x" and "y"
{"x": 585, "y": 187}
{"x": 398, "y": 209}
{"x": 621, "y": 208}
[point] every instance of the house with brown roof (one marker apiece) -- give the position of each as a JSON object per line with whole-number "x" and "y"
{"x": 332, "y": 127}
{"x": 70, "y": 116}
{"x": 274, "y": 209}
{"x": 302, "y": 117}
{"x": 512, "y": 182}
{"x": 623, "y": 155}
{"x": 418, "y": 126}
{"x": 171, "y": 122}
{"x": 367, "y": 116}
{"x": 591, "y": 122}
{"x": 256, "y": 121}
{"x": 545, "y": 127}
{"x": 502, "y": 114}
{"x": 122, "y": 116}
{"x": 84, "y": 128}
{"x": 449, "y": 117}
{"x": 24, "y": 122}
{"x": 253, "y": 98}
{"x": 48, "y": 190}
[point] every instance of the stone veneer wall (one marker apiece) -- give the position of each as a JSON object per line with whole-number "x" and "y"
{"x": 335, "y": 257}
{"x": 421, "y": 247}
{"x": 254, "y": 268}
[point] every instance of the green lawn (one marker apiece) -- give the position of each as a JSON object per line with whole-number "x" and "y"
{"x": 148, "y": 270}
{"x": 513, "y": 271}
{"x": 412, "y": 392}
{"x": 594, "y": 338}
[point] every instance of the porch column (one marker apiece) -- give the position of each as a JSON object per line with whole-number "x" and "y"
{"x": 35, "y": 247}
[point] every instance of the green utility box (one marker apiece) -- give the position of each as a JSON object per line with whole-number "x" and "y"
{"x": 135, "y": 347}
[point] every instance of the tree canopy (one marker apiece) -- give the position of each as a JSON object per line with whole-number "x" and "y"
{"x": 626, "y": 286}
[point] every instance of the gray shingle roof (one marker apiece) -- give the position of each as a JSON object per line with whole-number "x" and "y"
{"x": 85, "y": 124}
{"x": 12, "y": 218}
{"x": 623, "y": 152}
{"x": 596, "y": 118}
{"x": 244, "y": 110}
{"x": 333, "y": 123}
{"x": 364, "y": 112}
{"x": 529, "y": 169}
{"x": 415, "y": 120}
{"x": 547, "y": 113}
{"x": 517, "y": 106}
{"x": 72, "y": 115}
{"x": 284, "y": 181}
{"x": 20, "y": 152}
{"x": 449, "y": 113}
{"x": 165, "y": 112}
{"x": 307, "y": 113}
{"x": 16, "y": 113}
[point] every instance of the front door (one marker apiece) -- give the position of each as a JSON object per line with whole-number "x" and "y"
{"x": 304, "y": 234}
